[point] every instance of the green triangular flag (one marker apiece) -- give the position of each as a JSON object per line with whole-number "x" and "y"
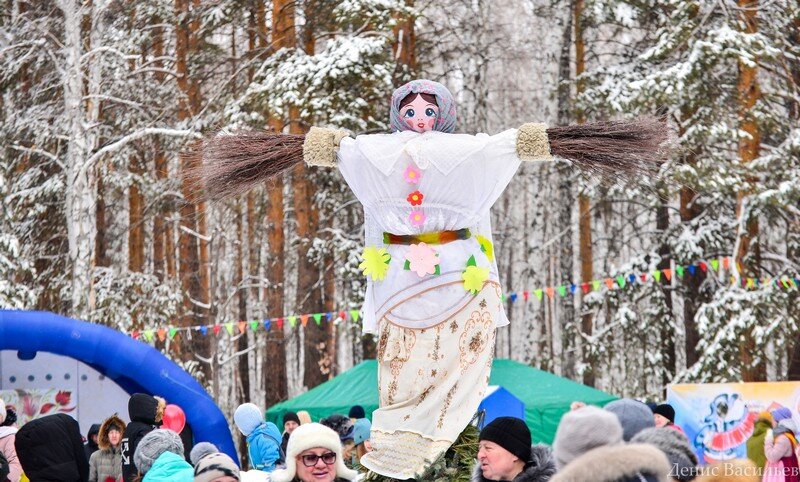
{"x": 621, "y": 281}
{"x": 503, "y": 298}
{"x": 538, "y": 294}
{"x": 562, "y": 290}
{"x": 679, "y": 269}
{"x": 657, "y": 275}
{"x": 292, "y": 321}
{"x": 172, "y": 332}
{"x": 354, "y": 314}
{"x": 229, "y": 328}
{"x": 317, "y": 317}
{"x": 254, "y": 325}
{"x": 715, "y": 264}
{"x": 148, "y": 335}
{"x": 596, "y": 285}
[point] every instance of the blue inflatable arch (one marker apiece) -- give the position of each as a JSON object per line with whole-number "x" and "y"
{"x": 135, "y": 366}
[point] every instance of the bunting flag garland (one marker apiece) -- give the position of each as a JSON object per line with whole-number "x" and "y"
{"x": 618, "y": 282}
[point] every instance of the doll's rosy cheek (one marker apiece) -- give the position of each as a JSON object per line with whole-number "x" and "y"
{"x": 410, "y": 122}
{"x": 431, "y": 122}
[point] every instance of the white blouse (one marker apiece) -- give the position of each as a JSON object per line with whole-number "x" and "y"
{"x": 460, "y": 177}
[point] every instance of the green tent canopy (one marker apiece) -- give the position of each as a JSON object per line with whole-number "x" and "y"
{"x": 546, "y": 396}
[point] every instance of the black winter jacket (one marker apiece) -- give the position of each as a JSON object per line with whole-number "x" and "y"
{"x": 145, "y": 417}
{"x": 50, "y": 449}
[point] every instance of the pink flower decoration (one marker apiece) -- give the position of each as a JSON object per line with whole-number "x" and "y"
{"x": 417, "y": 218}
{"x": 422, "y": 259}
{"x": 412, "y": 175}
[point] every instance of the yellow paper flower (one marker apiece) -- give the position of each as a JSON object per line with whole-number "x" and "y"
{"x": 474, "y": 277}
{"x": 486, "y": 246}
{"x": 375, "y": 262}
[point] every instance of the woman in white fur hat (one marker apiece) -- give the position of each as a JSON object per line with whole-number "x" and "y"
{"x": 314, "y": 453}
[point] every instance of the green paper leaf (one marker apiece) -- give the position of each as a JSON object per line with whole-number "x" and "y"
{"x": 407, "y": 265}
{"x": 621, "y": 281}
{"x": 562, "y": 291}
{"x": 387, "y": 258}
{"x": 229, "y": 328}
{"x": 471, "y": 261}
{"x": 539, "y": 294}
{"x": 437, "y": 271}
{"x": 254, "y": 325}
{"x": 596, "y": 285}
{"x": 172, "y": 332}
{"x": 317, "y": 317}
{"x": 657, "y": 275}
{"x": 292, "y": 321}
{"x": 354, "y": 314}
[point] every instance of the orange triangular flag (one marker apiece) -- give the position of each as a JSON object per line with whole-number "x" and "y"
{"x": 668, "y": 273}
{"x": 304, "y": 320}
{"x": 610, "y": 283}
{"x": 550, "y": 292}
{"x": 162, "y": 334}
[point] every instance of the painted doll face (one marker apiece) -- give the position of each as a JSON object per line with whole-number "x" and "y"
{"x": 419, "y": 115}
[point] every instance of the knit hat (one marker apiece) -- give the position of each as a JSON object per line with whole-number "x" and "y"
{"x": 666, "y": 411}
{"x": 341, "y": 425}
{"x": 510, "y": 433}
{"x": 357, "y": 411}
{"x": 361, "y": 430}
{"x": 214, "y": 466}
{"x": 634, "y": 416}
{"x": 291, "y": 417}
{"x": 445, "y": 121}
{"x": 675, "y": 446}
{"x": 153, "y": 445}
{"x": 781, "y": 413}
{"x": 247, "y": 417}
{"x": 582, "y": 430}
{"x": 304, "y": 417}
{"x": 309, "y": 436}
{"x": 200, "y": 450}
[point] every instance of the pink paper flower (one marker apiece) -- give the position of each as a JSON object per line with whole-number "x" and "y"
{"x": 412, "y": 175}
{"x": 422, "y": 259}
{"x": 417, "y": 218}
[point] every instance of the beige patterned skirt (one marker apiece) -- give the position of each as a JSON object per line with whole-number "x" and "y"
{"x": 431, "y": 382}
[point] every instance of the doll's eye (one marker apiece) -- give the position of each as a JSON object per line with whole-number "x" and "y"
{"x": 409, "y": 113}
{"x": 430, "y": 112}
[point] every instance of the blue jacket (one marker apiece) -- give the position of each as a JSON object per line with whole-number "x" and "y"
{"x": 169, "y": 467}
{"x": 264, "y": 447}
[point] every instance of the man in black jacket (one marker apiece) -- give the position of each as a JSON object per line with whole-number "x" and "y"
{"x": 50, "y": 449}
{"x": 146, "y": 414}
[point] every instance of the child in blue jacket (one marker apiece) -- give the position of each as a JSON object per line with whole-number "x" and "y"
{"x": 263, "y": 438}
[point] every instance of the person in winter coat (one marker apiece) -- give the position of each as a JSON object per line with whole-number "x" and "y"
{"x": 145, "y": 412}
{"x": 263, "y": 438}
{"x": 290, "y": 422}
{"x": 589, "y": 446}
{"x": 633, "y": 415}
{"x": 51, "y": 450}
{"x": 779, "y": 447}
{"x": 7, "y": 437}
{"x": 105, "y": 465}
{"x": 664, "y": 416}
{"x": 682, "y": 459}
{"x": 505, "y": 453}
{"x": 159, "y": 458}
{"x": 314, "y": 455}
{"x": 755, "y": 444}
{"x": 91, "y": 445}
{"x": 216, "y": 467}
{"x": 361, "y": 435}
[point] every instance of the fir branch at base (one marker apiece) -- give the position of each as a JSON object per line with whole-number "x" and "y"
{"x": 163, "y": 333}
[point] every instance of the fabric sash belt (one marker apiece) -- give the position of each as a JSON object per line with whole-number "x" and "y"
{"x": 436, "y": 237}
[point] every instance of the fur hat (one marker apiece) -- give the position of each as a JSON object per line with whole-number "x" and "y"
{"x": 634, "y": 416}
{"x": 511, "y": 433}
{"x": 361, "y": 430}
{"x": 304, "y": 417}
{"x": 582, "y": 430}
{"x": 200, "y": 450}
{"x": 2, "y": 411}
{"x": 666, "y": 411}
{"x": 214, "y": 466}
{"x": 341, "y": 425}
{"x": 309, "y": 436}
{"x": 247, "y": 417}
{"x": 675, "y": 446}
{"x": 111, "y": 423}
{"x": 153, "y": 445}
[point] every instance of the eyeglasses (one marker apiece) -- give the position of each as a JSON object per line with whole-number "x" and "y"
{"x": 310, "y": 460}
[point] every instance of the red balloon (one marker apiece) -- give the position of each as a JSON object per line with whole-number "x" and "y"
{"x": 174, "y": 418}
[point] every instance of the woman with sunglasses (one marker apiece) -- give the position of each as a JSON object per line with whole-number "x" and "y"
{"x": 314, "y": 454}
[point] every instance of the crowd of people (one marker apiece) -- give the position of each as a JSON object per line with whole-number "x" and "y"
{"x": 626, "y": 441}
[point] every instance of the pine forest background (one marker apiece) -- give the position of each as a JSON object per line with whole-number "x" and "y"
{"x": 100, "y": 97}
